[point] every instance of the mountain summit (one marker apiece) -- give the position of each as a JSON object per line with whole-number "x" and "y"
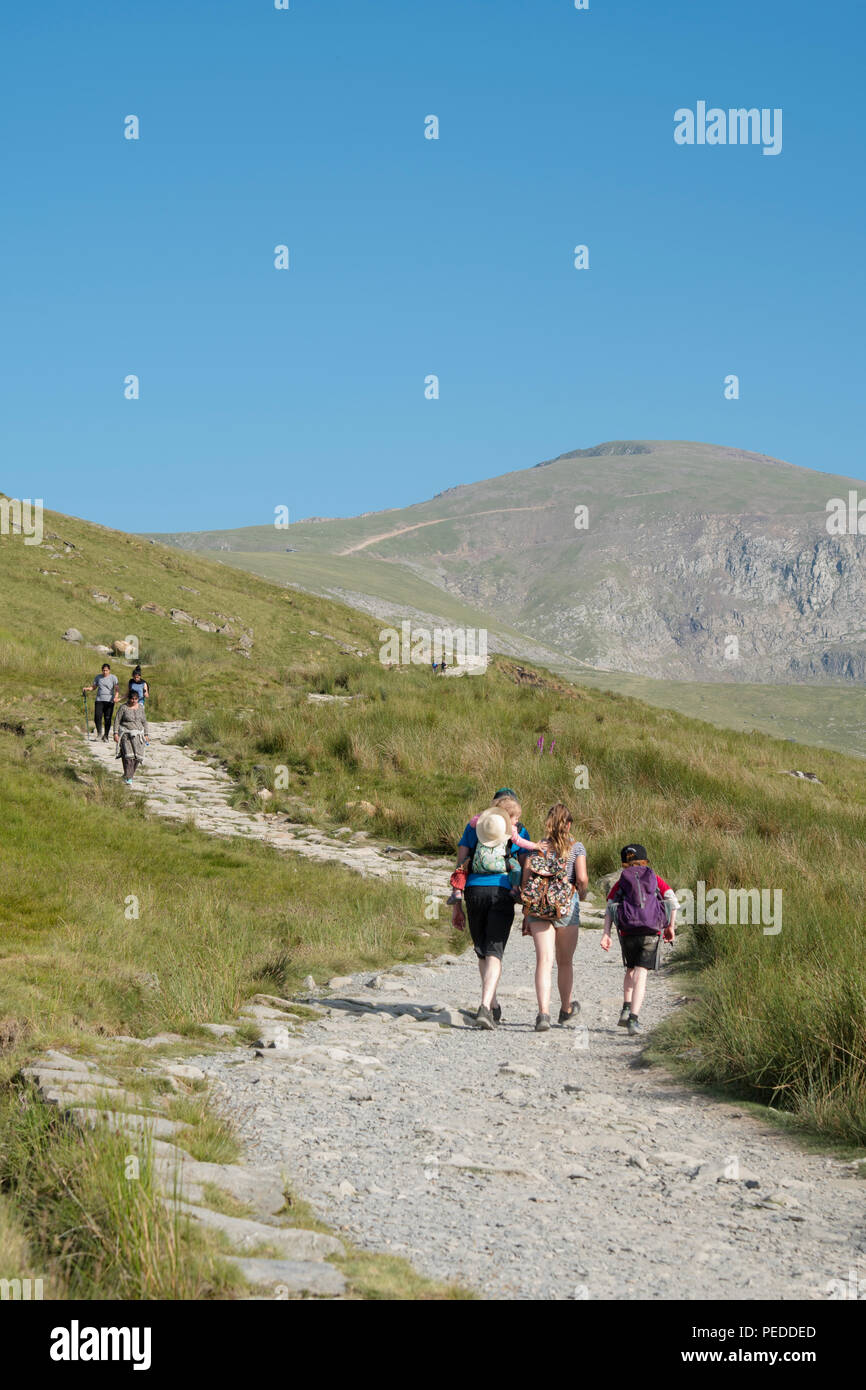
{"x": 661, "y": 558}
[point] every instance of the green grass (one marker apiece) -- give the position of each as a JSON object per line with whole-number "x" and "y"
{"x": 474, "y": 544}
{"x": 782, "y": 1018}
{"x": 216, "y": 922}
{"x": 779, "y": 1019}
{"x": 95, "y": 1226}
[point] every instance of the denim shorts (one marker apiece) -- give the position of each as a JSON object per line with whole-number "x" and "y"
{"x": 573, "y": 918}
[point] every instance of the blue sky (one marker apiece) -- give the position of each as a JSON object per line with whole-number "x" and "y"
{"x": 409, "y": 256}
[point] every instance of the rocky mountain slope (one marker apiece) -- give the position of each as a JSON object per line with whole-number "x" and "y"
{"x": 648, "y": 557}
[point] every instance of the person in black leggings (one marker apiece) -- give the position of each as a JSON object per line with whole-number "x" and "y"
{"x": 106, "y": 687}
{"x": 490, "y": 902}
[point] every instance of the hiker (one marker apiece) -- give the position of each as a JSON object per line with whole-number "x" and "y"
{"x": 131, "y": 735}
{"x": 644, "y": 908}
{"x": 138, "y": 684}
{"x": 554, "y": 882}
{"x": 489, "y": 897}
{"x": 106, "y": 687}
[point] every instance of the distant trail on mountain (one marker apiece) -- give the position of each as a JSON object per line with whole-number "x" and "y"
{"x": 401, "y": 530}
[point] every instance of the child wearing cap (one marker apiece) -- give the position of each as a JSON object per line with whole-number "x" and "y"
{"x": 644, "y": 908}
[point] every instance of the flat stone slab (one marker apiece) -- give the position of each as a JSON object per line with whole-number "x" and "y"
{"x": 63, "y": 1097}
{"x": 293, "y": 1243}
{"x": 54, "y": 1076}
{"x": 157, "y": 1126}
{"x": 64, "y": 1062}
{"x": 262, "y": 1189}
{"x": 182, "y": 1071}
{"x": 293, "y": 1276}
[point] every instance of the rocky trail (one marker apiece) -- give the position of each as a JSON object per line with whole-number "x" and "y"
{"x": 523, "y": 1165}
{"x": 177, "y": 785}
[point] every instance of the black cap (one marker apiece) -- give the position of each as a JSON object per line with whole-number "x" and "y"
{"x": 629, "y": 852}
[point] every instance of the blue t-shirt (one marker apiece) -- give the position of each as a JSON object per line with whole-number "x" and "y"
{"x": 469, "y": 840}
{"x": 138, "y": 688}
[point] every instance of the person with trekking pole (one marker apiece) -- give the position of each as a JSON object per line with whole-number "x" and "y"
{"x": 106, "y": 687}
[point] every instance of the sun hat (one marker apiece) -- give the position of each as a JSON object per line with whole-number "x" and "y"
{"x": 492, "y": 828}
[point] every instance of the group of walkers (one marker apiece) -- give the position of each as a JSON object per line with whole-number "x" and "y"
{"x": 130, "y": 727}
{"x": 499, "y": 865}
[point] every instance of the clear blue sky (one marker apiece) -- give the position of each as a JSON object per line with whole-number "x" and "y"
{"x": 408, "y": 256}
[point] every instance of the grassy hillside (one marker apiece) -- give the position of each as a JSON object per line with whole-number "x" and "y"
{"x": 779, "y": 1018}
{"x": 216, "y": 922}
{"x": 828, "y": 716}
{"x": 503, "y": 554}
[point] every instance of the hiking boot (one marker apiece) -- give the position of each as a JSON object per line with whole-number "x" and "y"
{"x": 542, "y": 1023}
{"x": 633, "y": 1025}
{"x": 497, "y": 1013}
{"x": 625, "y": 1015}
{"x": 572, "y": 1013}
{"x": 484, "y": 1018}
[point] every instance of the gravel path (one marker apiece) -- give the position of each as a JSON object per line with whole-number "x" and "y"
{"x": 524, "y": 1165}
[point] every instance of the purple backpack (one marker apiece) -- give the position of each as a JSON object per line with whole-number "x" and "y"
{"x": 641, "y": 909}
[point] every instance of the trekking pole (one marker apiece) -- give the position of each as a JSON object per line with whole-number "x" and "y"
{"x": 86, "y": 715}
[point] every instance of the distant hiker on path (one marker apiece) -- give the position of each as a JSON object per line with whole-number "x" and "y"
{"x": 644, "y": 908}
{"x": 554, "y": 881}
{"x": 139, "y": 685}
{"x": 131, "y": 735}
{"x": 489, "y": 894}
{"x": 106, "y": 687}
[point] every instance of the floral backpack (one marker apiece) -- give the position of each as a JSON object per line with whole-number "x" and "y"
{"x": 547, "y": 892}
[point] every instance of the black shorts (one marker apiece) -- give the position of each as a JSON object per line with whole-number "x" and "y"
{"x": 638, "y": 949}
{"x": 490, "y": 911}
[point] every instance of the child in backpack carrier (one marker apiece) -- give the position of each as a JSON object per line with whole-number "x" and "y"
{"x": 497, "y": 838}
{"x": 644, "y": 909}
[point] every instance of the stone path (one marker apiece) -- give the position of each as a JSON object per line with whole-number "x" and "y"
{"x": 526, "y": 1166}
{"x": 274, "y": 1259}
{"x": 178, "y": 786}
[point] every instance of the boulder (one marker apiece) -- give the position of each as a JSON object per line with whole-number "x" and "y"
{"x": 72, "y": 635}
{"x": 179, "y": 616}
{"x": 154, "y": 608}
{"x": 124, "y": 648}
